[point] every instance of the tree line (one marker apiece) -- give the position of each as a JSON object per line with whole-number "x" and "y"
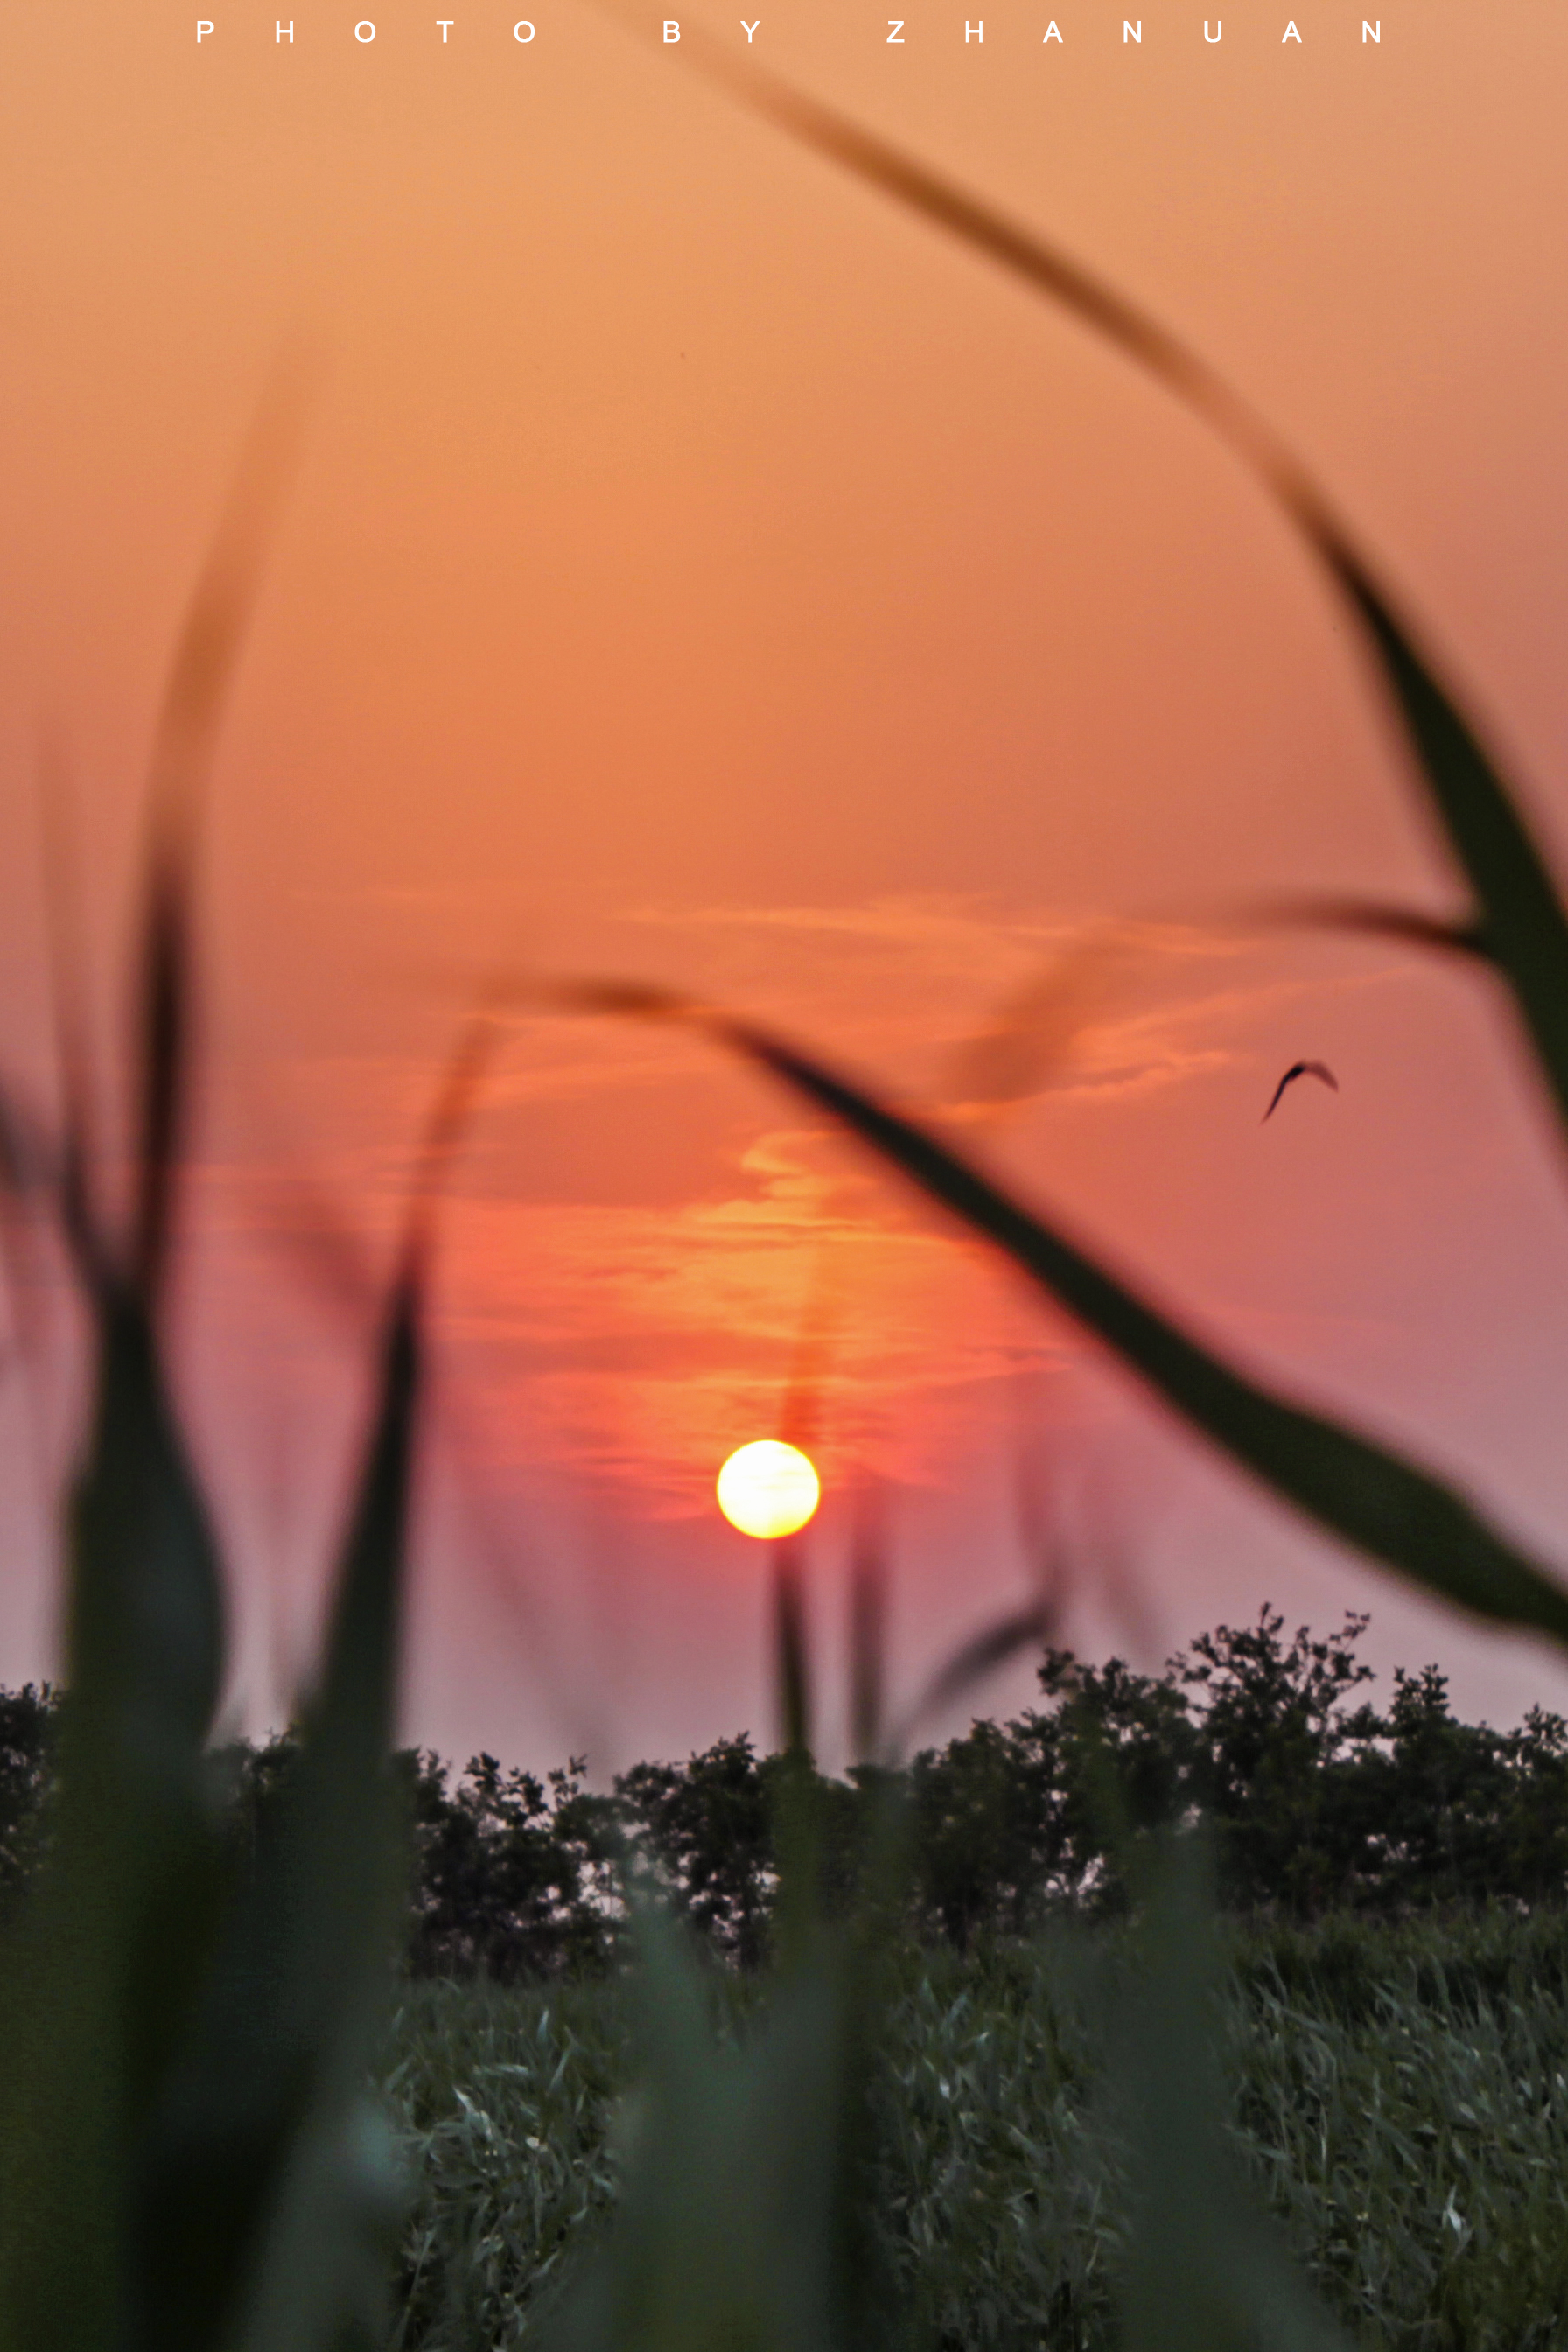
{"x": 1313, "y": 1798}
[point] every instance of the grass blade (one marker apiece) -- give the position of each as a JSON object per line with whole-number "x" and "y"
{"x": 1364, "y": 1493}
{"x": 200, "y": 679}
{"x": 99, "y": 1995}
{"x": 1379, "y": 919}
{"x": 270, "y": 2195}
{"x": 868, "y": 1633}
{"x": 1521, "y": 913}
{"x": 126, "y": 1914}
{"x": 1481, "y": 817}
{"x": 254, "y": 2215}
{"x": 728, "y": 2231}
{"x": 972, "y": 1661}
{"x": 1206, "y": 2271}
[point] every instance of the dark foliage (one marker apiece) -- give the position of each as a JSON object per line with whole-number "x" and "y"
{"x": 512, "y": 1876}
{"x": 1316, "y": 1803}
{"x": 703, "y": 1831}
{"x": 28, "y": 1725}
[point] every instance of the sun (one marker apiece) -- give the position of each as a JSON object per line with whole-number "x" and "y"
{"x": 768, "y": 1489}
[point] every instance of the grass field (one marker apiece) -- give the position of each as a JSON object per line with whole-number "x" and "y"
{"x": 1399, "y": 2097}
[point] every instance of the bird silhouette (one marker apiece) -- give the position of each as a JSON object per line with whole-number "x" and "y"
{"x": 1300, "y": 1070}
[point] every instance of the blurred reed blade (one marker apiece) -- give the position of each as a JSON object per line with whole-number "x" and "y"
{"x": 1479, "y": 813}
{"x": 1377, "y": 919}
{"x": 867, "y": 1631}
{"x": 1206, "y": 2271}
{"x": 219, "y": 613}
{"x": 200, "y": 680}
{"x": 33, "y": 1184}
{"x": 267, "y": 2194}
{"x": 68, "y": 982}
{"x": 792, "y": 1657}
{"x": 1035, "y": 1027}
{"x": 165, "y": 949}
{"x": 145, "y": 1612}
{"x": 1520, "y": 914}
{"x": 113, "y": 1952}
{"x": 1362, "y": 1492}
{"x": 730, "y": 2231}
{"x": 98, "y": 1996}
{"x": 993, "y": 1646}
{"x": 271, "y": 2198}
{"x": 800, "y": 1413}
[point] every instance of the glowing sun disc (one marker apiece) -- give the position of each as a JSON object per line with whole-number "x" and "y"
{"x": 768, "y": 1489}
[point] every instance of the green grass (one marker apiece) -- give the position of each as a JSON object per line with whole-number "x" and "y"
{"x": 1398, "y": 2097}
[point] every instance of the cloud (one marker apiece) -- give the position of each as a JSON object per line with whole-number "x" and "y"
{"x": 642, "y": 1343}
{"x": 631, "y": 1341}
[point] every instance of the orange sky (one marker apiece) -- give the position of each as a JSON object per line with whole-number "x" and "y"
{"x": 697, "y": 570}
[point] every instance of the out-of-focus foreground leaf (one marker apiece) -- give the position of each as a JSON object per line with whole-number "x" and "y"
{"x": 270, "y": 2198}
{"x": 729, "y": 2234}
{"x": 1371, "y": 1497}
{"x": 188, "y": 2163}
{"x": 200, "y": 682}
{"x": 268, "y": 2192}
{"x": 98, "y": 1990}
{"x": 108, "y": 1962}
{"x": 1518, "y": 904}
{"x": 1206, "y": 2271}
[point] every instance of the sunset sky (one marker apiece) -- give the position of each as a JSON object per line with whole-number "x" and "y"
{"x": 697, "y": 571}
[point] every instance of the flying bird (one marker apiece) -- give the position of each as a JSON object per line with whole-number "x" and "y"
{"x": 1301, "y": 1070}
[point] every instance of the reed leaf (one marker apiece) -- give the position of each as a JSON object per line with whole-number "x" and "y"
{"x": 729, "y": 2235}
{"x": 1366, "y": 1493}
{"x": 270, "y": 2197}
{"x": 188, "y": 2163}
{"x": 111, "y": 1955}
{"x": 1375, "y": 919}
{"x": 1206, "y": 2271}
{"x": 195, "y": 698}
{"x": 99, "y": 1990}
{"x": 267, "y": 2194}
{"x": 993, "y": 1646}
{"x": 1479, "y": 813}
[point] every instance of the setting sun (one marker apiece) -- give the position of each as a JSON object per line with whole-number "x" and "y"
{"x": 768, "y": 1489}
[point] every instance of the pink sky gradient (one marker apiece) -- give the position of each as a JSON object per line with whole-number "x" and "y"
{"x": 698, "y": 571}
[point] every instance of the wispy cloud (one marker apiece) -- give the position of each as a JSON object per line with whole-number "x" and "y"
{"x": 652, "y": 1340}
{"x": 632, "y": 1339}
